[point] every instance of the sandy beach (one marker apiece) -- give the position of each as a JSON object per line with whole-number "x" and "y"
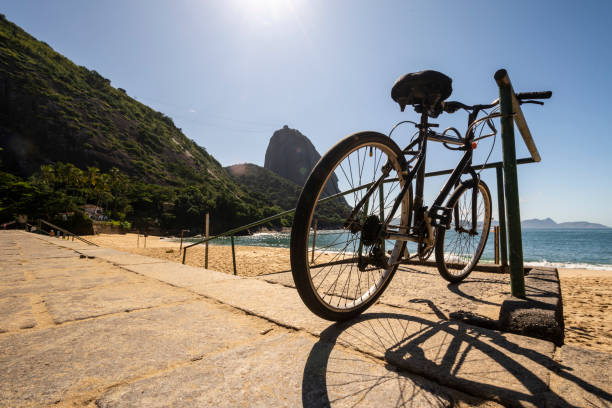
{"x": 587, "y": 294}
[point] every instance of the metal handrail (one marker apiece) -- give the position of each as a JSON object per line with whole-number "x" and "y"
{"x": 66, "y": 232}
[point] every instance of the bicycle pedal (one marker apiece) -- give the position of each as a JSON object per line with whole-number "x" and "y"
{"x": 440, "y": 216}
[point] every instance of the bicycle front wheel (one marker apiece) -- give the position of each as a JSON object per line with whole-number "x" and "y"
{"x": 459, "y": 248}
{"x": 349, "y": 268}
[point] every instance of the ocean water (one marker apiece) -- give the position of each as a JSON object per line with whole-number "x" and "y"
{"x": 561, "y": 248}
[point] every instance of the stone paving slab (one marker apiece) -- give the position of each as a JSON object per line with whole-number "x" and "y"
{"x": 51, "y": 252}
{"x": 63, "y": 362}
{"x": 285, "y": 370}
{"x": 37, "y": 262}
{"x": 118, "y": 257}
{"x": 583, "y": 377}
{"x": 15, "y": 313}
{"x": 184, "y": 276}
{"x": 98, "y": 301}
{"x": 11, "y": 274}
{"x": 48, "y": 267}
{"x": 277, "y": 303}
{"x": 62, "y": 283}
{"x": 75, "y": 268}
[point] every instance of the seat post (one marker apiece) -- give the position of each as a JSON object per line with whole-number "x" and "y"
{"x": 420, "y": 179}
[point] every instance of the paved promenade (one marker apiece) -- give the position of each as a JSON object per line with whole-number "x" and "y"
{"x": 87, "y": 326}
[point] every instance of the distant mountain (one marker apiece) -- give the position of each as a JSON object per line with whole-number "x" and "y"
{"x": 292, "y": 155}
{"x": 536, "y": 223}
{"x": 549, "y": 223}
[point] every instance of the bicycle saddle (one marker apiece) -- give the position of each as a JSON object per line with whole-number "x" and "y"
{"x": 426, "y": 88}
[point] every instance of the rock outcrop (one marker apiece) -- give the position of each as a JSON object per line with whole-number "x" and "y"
{"x": 292, "y": 155}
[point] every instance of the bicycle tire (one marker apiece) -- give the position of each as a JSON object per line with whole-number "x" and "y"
{"x": 457, "y": 253}
{"x": 338, "y": 262}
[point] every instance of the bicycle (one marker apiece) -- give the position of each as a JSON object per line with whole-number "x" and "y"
{"x": 377, "y": 209}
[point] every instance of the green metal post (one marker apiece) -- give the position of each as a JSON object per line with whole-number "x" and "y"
{"x": 234, "y": 256}
{"x": 501, "y": 208}
{"x": 513, "y": 215}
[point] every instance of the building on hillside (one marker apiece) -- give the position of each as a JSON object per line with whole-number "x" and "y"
{"x": 94, "y": 212}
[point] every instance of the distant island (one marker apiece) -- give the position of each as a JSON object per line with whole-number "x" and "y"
{"x": 550, "y": 223}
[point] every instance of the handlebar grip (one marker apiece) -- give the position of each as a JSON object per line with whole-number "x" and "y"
{"x": 534, "y": 95}
{"x": 453, "y": 106}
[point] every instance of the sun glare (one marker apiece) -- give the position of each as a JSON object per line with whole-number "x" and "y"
{"x": 268, "y": 11}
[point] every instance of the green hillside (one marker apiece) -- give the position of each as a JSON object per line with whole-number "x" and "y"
{"x": 54, "y": 110}
{"x": 267, "y": 185}
{"x": 67, "y": 137}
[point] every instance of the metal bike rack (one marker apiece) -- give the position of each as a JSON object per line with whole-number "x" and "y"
{"x": 511, "y": 109}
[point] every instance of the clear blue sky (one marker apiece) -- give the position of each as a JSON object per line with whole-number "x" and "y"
{"x": 231, "y": 72}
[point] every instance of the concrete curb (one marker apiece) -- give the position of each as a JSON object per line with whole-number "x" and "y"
{"x": 540, "y": 315}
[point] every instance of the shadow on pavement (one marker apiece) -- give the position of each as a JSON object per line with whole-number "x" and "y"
{"x": 456, "y": 289}
{"x": 512, "y": 370}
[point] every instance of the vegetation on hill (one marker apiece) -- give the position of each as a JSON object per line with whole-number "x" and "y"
{"x": 63, "y": 188}
{"x": 266, "y": 184}
{"x": 53, "y": 110}
{"x": 67, "y": 137}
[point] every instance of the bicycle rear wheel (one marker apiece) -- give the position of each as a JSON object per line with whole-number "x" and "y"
{"x": 459, "y": 248}
{"x": 350, "y": 268}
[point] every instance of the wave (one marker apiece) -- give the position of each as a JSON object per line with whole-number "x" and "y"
{"x": 268, "y": 234}
{"x": 564, "y": 265}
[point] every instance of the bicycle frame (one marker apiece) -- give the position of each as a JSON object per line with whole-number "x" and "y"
{"x": 425, "y": 219}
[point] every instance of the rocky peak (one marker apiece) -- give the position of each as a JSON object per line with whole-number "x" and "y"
{"x": 292, "y": 155}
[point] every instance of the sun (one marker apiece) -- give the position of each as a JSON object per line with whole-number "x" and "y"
{"x": 268, "y": 10}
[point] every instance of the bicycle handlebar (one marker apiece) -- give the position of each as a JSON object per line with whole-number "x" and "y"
{"x": 453, "y": 106}
{"x": 534, "y": 95}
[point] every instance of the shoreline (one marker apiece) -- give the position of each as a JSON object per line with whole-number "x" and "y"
{"x": 276, "y": 239}
{"x": 129, "y": 240}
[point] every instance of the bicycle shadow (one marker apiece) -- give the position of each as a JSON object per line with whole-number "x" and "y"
{"x": 457, "y": 289}
{"x": 479, "y": 362}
